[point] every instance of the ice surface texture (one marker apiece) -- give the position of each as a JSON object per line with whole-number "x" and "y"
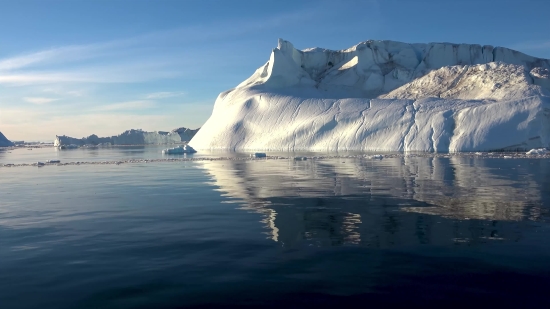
{"x": 386, "y": 96}
{"x": 131, "y": 137}
{"x": 4, "y": 142}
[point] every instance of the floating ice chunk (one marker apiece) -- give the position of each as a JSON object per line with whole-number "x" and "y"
{"x": 179, "y": 150}
{"x": 258, "y": 155}
{"x": 540, "y": 151}
{"x": 70, "y": 146}
{"x": 378, "y": 156}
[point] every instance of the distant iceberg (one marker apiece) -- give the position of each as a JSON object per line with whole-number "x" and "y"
{"x": 4, "y": 142}
{"x": 386, "y": 96}
{"x": 179, "y": 150}
{"x": 540, "y": 151}
{"x": 130, "y": 137}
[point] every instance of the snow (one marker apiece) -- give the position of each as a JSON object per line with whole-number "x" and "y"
{"x": 131, "y": 137}
{"x": 179, "y": 150}
{"x": 4, "y": 142}
{"x": 386, "y": 96}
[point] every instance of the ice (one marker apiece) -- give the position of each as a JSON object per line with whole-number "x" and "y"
{"x": 179, "y": 150}
{"x": 67, "y": 146}
{"x": 4, "y": 142}
{"x": 540, "y": 151}
{"x": 484, "y": 155}
{"x": 130, "y": 137}
{"x": 386, "y": 96}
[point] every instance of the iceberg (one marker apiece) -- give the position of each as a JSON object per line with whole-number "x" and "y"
{"x": 130, "y": 137}
{"x": 179, "y": 150}
{"x": 386, "y": 96}
{"x": 540, "y": 151}
{"x": 4, "y": 142}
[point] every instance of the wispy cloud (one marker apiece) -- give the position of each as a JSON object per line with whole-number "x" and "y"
{"x": 164, "y": 95}
{"x": 80, "y": 76}
{"x": 66, "y": 54}
{"x": 127, "y": 106}
{"x": 37, "y": 100}
{"x": 63, "y": 92}
{"x": 124, "y": 46}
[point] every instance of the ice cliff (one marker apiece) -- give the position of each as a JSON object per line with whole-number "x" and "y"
{"x": 4, "y": 142}
{"x": 131, "y": 137}
{"x": 385, "y": 95}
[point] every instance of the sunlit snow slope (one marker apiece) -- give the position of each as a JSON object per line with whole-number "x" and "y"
{"x": 384, "y": 95}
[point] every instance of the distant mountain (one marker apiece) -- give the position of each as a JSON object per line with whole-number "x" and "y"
{"x": 4, "y": 142}
{"x": 386, "y": 96}
{"x": 131, "y": 137}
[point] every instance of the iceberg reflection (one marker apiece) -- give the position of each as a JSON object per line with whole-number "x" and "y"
{"x": 382, "y": 203}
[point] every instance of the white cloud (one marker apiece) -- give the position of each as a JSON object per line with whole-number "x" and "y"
{"x": 164, "y": 95}
{"x": 128, "y": 106}
{"x": 38, "y": 100}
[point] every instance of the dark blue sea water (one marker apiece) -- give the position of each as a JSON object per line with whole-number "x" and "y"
{"x": 412, "y": 231}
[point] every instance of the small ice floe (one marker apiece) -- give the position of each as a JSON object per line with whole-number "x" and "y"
{"x": 300, "y": 158}
{"x": 53, "y": 161}
{"x": 377, "y": 156}
{"x": 179, "y": 150}
{"x": 71, "y": 146}
{"x": 258, "y": 155}
{"x": 539, "y": 151}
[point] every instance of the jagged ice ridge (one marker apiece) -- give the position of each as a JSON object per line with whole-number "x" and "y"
{"x": 386, "y": 96}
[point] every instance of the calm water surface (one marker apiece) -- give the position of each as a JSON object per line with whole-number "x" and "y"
{"x": 317, "y": 233}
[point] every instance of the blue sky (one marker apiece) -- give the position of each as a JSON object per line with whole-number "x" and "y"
{"x": 81, "y": 67}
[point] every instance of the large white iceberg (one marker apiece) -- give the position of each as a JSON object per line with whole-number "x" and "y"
{"x": 386, "y": 96}
{"x": 131, "y": 137}
{"x": 4, "y": 142}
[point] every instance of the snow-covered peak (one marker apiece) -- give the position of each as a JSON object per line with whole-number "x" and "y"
{"x": 373, "y": 68}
